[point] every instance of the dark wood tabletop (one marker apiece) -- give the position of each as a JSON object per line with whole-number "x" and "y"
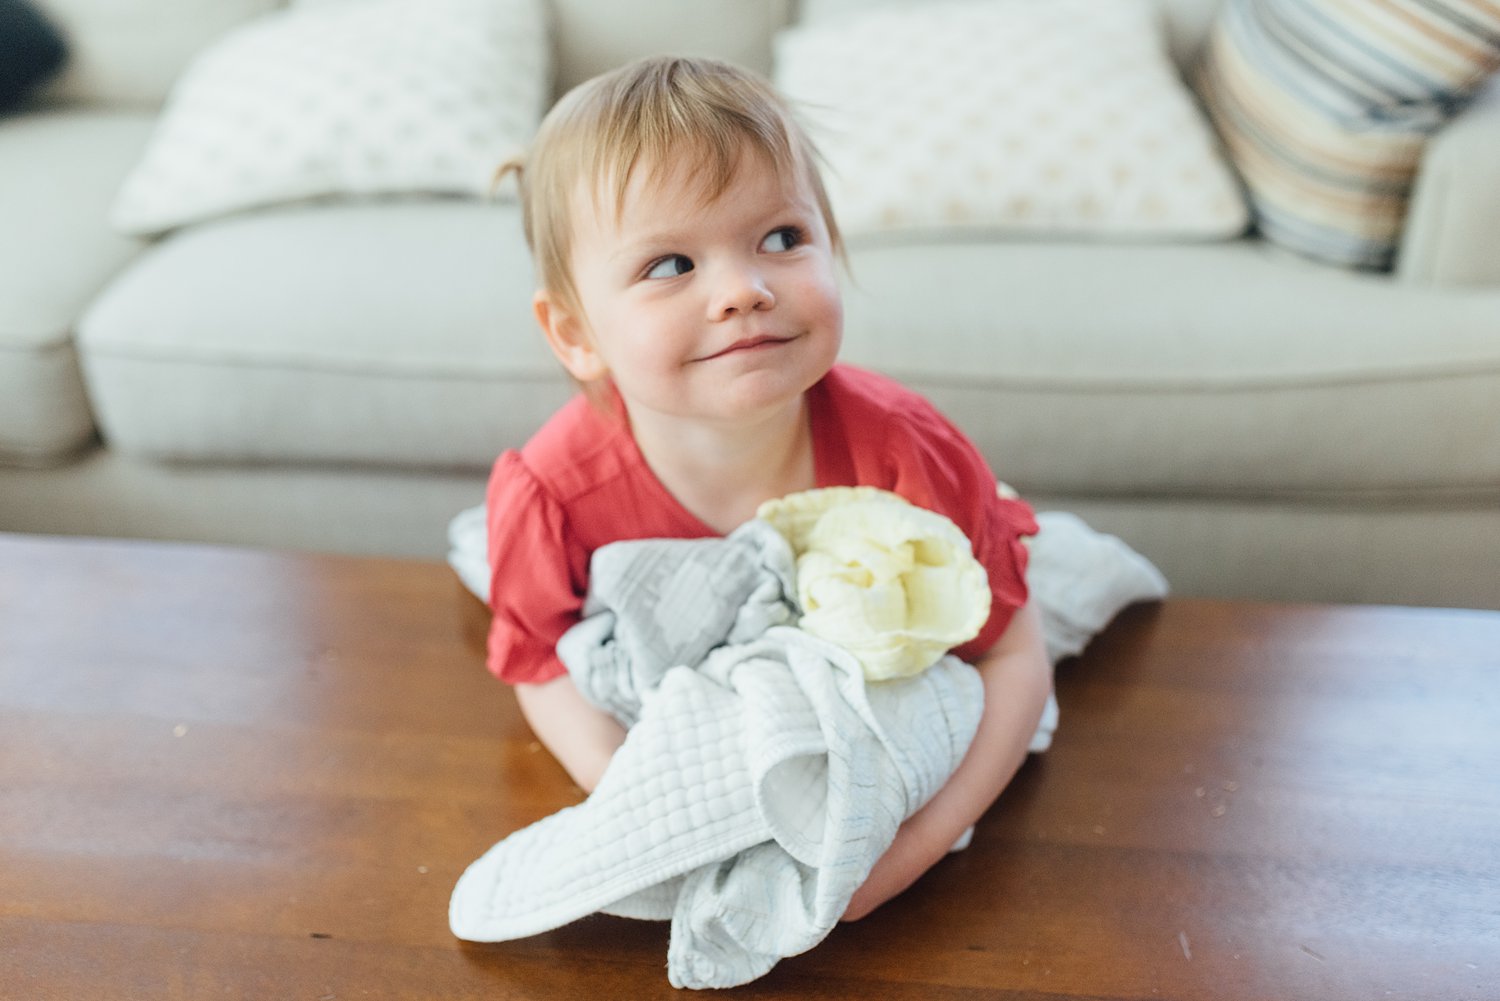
{"x": 237, "y": 774}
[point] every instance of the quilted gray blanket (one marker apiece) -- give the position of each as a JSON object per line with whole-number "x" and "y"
{"x": 760, "y": 779}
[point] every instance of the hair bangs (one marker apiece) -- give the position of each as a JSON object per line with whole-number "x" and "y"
{"x": 677, "y": 115}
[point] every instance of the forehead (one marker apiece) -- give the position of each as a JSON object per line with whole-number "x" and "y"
{"x": 658, "y": 190}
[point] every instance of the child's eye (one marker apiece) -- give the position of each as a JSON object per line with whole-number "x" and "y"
{"x": 779, "y": 241}
{"x": 670, "y": 267}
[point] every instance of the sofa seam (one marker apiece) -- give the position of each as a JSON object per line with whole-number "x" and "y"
{"x": 1197, "y": 385}
{"x": 1184, "y": 385}
{"x": 1455, "y": 496}
{"x": 471, "y": 371}
{"x": 63, "y": 342}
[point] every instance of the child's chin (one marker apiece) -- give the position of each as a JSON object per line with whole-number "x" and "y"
{"x": 750, "y": 393}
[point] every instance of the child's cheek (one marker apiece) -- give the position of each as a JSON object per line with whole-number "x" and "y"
{"x": 832, "y": 300}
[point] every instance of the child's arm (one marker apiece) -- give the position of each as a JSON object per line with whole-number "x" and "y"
{"x": 1017, "y": 680}
{"x": 582, "y": 737}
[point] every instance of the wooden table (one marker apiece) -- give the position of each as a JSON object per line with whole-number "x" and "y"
{"x": 232, "y": 774}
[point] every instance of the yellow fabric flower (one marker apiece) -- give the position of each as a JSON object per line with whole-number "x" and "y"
{"x": 896, "y": 585}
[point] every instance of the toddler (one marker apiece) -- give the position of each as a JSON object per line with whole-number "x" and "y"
{"x": 686, "y": 260}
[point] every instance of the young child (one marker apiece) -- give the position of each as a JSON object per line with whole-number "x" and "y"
{"x": 686, "y": 260}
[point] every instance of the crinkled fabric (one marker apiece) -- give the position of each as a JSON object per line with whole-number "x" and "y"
{"x": 894, "y": 584}
{"x": 761, "y": 778}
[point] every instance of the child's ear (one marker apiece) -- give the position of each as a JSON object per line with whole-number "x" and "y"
{"x": 568, "y": 337}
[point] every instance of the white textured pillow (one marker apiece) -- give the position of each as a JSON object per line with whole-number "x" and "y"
{"x": 1057, "y": 116}
{"x": 355, "y": 97}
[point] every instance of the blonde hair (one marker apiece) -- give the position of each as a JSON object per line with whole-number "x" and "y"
{"x": 655, "y": 110}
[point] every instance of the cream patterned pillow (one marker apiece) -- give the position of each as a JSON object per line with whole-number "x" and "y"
{"x": 1056, "y": 117}
{"x": 356, "y": 97}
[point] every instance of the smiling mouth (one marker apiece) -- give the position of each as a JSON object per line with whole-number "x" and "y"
{"x": 749, "y": 344}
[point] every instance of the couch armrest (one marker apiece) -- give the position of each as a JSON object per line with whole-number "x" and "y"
{"x": 1454, "y": 216}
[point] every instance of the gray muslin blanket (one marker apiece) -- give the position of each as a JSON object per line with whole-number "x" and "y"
{"x": 760, "y": 779}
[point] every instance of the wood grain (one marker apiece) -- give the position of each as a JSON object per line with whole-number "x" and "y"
{"x": 239, "y": 774}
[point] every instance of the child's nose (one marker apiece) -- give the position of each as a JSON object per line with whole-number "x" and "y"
{"x": 741, "y": 291}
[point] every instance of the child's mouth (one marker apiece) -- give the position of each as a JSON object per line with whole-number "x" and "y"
{"x": 749, "y": 344}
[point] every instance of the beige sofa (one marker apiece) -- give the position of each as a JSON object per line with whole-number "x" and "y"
{"x": 340, "y": 376}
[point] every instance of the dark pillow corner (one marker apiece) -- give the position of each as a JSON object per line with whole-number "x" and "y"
{"x": 32, "y": 51}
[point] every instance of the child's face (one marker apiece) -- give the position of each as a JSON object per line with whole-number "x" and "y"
{"x": 724, "y": 310}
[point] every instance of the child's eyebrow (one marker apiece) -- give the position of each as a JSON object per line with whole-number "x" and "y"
{"x": 651, "y": 242}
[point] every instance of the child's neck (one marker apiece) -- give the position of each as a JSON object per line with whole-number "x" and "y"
{"x": 721, "y": 474}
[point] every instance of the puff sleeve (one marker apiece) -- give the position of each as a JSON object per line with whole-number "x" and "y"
{"x": 537, "y": 581}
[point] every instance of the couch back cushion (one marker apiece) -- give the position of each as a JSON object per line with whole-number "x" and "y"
{"x": 593, "y": 36}
{"x": 127, "y": 54}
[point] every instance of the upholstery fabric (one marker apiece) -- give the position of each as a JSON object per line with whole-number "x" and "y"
{"x": 1326, "y": 107}
{"x": 390, "y": 334}
{"x": 1396, "y": 549}
{"x": 57, "y": 174}
{"x": 593, "y": 37}
{"x": 1454, "y": 212}
{"x": 1215, "y": 389}
{"x": 1187, "y": 374}
{"x": 125, "y": 55}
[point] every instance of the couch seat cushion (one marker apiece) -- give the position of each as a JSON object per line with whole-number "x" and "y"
{"x": 58, "y": 173}
{"x": 401, "y": 335}
{"x": 1225, "y": 369}
{"x": 379, "y": 334}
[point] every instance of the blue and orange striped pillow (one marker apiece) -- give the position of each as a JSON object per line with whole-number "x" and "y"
{"x": 1325, "y": 107}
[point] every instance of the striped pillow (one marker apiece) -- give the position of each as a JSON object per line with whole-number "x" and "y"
{"x": 1325, "y": 106}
